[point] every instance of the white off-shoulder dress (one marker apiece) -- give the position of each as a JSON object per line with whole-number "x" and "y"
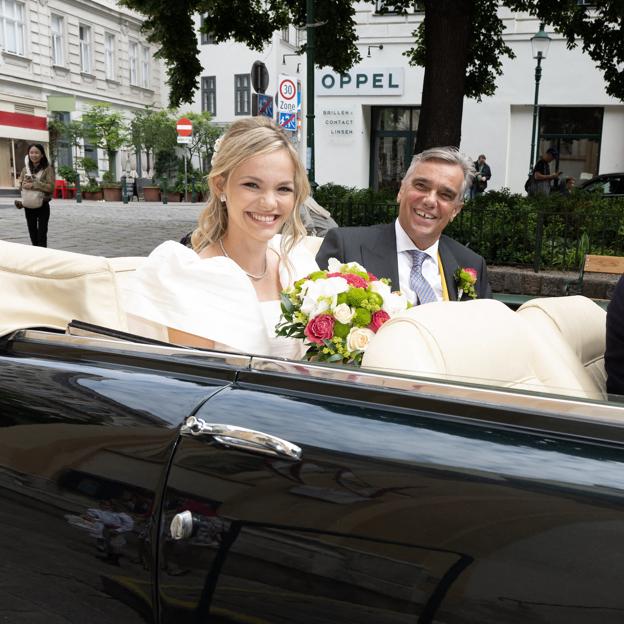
{"x": 212, "y": 298}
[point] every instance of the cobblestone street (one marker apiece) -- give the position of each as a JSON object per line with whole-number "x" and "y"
{"x": 104, "y": 228}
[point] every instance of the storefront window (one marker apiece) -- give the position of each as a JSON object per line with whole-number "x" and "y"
{"x": 394, "y": 136}
{"x": 576, "y": 133}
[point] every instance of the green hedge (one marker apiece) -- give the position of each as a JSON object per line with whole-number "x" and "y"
{"x": 552, "y": 231}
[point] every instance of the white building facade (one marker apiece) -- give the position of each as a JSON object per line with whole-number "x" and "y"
{"x": 59, "y": 57}
{"x": 366, "y": 121}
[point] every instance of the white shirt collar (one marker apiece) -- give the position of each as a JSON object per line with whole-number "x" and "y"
{"x": 405, "y": 243}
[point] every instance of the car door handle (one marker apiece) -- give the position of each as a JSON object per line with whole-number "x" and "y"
{"x": 241, "y": 438}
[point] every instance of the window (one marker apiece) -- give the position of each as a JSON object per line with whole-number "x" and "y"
{"x": 109, "y": 55}
{"x": 394, "y": 136}
{"x": 85, "y": 48}
{"x": 286, "y": 34}
{"x": 206, "y": 37}
{"x": 385, "y": 8}
{"x": 145, "y": 64}
{"x": 139, "y": 65}
{"x": 133, "y": 50}
{"x": 576, "y": 133}
{"x": 209, "y": 94}
{"x": 57, "y": 40}
{"x": 12, "y": 26}
{"x": 242, "y": 94}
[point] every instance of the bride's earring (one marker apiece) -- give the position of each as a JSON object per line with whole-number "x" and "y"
{"x": 222, "y": 198}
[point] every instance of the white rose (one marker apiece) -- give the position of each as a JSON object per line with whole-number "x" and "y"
{"x": 358, "y": 338}
{"x": 343, "y": 313}
{"x": 381, "y": 288}
{"x": 320, "y": 295}
{"x": 394, "y": 302}
{"x": 333, "y": 265}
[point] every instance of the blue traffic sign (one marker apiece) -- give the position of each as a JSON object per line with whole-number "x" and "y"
{"x": 265, "y": 105}
{"x": 288, "y": 121}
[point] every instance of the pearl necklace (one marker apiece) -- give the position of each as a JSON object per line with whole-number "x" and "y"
{"x": 253, "y": 277}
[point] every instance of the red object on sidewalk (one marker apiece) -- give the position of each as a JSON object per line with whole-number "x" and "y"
{"x": 60, "y": 188}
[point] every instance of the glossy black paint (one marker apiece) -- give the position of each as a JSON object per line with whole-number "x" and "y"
{"x": 390, "y": 517}
{"x": 84, "y": 450}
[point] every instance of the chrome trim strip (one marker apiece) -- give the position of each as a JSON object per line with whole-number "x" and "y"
{"x": 91, "y": 341}
{"x": 565, "y": 407}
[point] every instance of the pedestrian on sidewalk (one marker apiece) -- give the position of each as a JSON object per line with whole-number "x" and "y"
{"x": 36, "y": 183}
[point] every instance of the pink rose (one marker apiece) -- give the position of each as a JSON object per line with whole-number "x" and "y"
{"x": 473, "y": 274}
{"x": 320, "y": 328}
{"x": 353, "y": 280}
{"x": 378, "y": 319}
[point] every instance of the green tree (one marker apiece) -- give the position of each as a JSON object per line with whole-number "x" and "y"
{"x": 460, "y": 44}
{"x": 204, "y": 136}
{"x": 106, "y": 129}
{"x": 152, "y": 131}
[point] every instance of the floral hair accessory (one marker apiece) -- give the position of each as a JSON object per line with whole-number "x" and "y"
{"x": 215, "y": 149}
{"x": 466, "y": 278}
{"x": 337, "y": 312}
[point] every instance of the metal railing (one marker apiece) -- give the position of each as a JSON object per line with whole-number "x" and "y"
{"x": 524, "y": 235}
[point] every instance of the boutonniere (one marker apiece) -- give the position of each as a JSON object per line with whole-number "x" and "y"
{"x": 466, "y": 278}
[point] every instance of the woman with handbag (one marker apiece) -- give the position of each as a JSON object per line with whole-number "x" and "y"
{"x": 36, "y": 184}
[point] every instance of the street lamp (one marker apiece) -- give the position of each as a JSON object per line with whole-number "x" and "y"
{"x": 540, "y": 42}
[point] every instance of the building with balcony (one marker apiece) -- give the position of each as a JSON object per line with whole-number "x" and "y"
{"x": 57, "y": 58}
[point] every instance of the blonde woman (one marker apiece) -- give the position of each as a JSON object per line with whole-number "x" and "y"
{"x": 224, "y": 293}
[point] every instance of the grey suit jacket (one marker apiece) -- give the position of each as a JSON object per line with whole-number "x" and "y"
{"x": 374, "y": 247}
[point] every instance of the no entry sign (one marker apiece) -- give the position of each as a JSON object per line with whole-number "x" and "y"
{"x": 184, "y": 128}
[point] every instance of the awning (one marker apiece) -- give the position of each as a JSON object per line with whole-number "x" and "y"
{"x": 25, "y": 134}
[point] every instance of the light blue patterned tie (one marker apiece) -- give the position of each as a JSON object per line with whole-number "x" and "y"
{"x": 420, "y": 286}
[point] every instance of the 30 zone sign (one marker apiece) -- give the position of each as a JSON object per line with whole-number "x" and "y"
{"x": 287, "y": 95}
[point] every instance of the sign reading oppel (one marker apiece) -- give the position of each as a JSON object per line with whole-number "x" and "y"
{"x": 184, "y": 128}
{"x": 287, "y": 102}
{"x": 361, "y": 81}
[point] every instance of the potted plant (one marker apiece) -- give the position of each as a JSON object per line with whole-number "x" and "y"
{"x": 92, "y": 190}
{"x": 151, "y": 193}
{"x": 110, "y": 188}
{"x": 70, "y": 176}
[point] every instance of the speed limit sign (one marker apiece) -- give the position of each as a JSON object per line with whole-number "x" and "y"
{"x": 287, "y": 95}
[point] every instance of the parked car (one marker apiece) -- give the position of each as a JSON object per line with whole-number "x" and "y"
{"x": 610, "y": 184}
{"x": 142, "y": 482}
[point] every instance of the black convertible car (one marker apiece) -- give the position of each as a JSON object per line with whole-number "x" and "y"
{"x": 142, "y": 482}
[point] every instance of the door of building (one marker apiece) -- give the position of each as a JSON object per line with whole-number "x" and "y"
{"x": 393, "y": 139}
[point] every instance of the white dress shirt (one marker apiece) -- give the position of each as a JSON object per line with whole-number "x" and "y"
{"x": 430, "y": 268}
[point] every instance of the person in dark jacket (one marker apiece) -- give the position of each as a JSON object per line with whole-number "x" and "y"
{"x": 614, "y": 354}
{"x": 482, "y": 174}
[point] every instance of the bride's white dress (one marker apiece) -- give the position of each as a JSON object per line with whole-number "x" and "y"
{"x": 212, "y": 298}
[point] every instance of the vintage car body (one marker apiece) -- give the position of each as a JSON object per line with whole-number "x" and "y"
{"x": 412, "y": 501}
{"x": 128, "y": 494}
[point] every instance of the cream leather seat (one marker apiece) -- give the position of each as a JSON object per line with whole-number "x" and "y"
{"x": 48, "y": 288}
{"x": 579, "y": 323}
{"x": 480, "y": 341}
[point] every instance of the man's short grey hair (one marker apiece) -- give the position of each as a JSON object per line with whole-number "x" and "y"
{"x": 447, "y": 154}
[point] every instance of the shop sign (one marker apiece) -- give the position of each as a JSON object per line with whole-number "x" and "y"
{"x": 358, "y": 81}
{"x": 338, "y": 123}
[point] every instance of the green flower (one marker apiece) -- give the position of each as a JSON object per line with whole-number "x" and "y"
{"x": 317, "y": 275}
{"x": 356, "y": 296}
{"x": 341, "y": 330}
{"x": 362, "y": 317}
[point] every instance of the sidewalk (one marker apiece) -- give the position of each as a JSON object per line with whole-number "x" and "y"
{"x": 104, "y": 228}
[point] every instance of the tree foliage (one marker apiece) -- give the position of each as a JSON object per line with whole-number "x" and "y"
{"x": 105, "y": 128}
{"x": 153, "y": 131}
{"x": 169, "y": 26}
{"x": 598, "y": 29}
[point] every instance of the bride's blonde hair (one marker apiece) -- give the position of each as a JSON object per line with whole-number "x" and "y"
{"x": 249, "y": 137}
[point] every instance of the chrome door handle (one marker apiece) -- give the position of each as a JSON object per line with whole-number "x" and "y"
{"x": 241, "y": 438}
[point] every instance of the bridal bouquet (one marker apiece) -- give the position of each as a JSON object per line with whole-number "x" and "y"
{"x": 337, "y": 312}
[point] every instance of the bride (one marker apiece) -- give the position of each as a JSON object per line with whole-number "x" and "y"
{"x": 224, "y": 293}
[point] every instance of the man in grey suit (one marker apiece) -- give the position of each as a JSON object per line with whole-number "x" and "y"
{"x": 412, "y": 251}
